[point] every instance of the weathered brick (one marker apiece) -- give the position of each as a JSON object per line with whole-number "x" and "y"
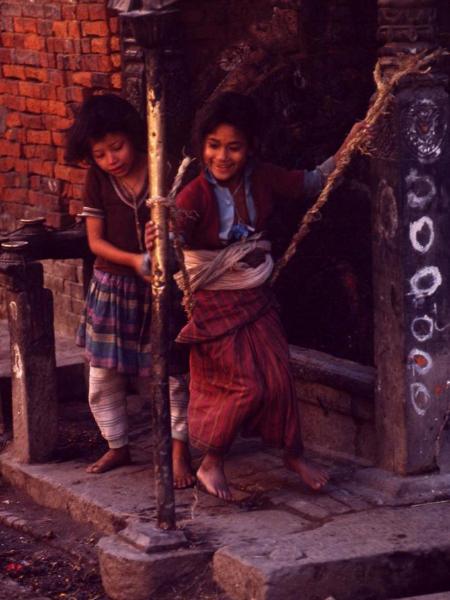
{"x": 62, "y": 45}
{"x": 60, "y": 28}
{"x": 13, "y": 119}
{"x": 75, "y": 207}
{"x": 114, "y": 25}
{"x": 68, "y": 62}
{"x": 13, "y": 40}
{"x": 116, "y": 60}
{"x": 98, "y": 12}
{"x": 6, "y": 164}
{"x": 75, "y": 290}
{"x": 14, "y": 195}
{"x": 55, "y": 283}
{"x": 9, "y": 86}
{"x": 53, "y": 122}
{"x": 100, "y": 45}
{"x": 86, "y": 45}
{"x": 68, "y": 13}
{"x": 35, "y": 182}
{"x": 52, "y": 11}
{"x": 24, "y": 25}
{"x": 115, "y": 43}
{"x": 48, "y": 202}
{"x": 48, "y": 60}
{"x": 116, "y": 81}
{"x": 82, "y": 12}
{"x": 38, "y": 137}
{"x": 11, "y": 9}
{"x": 96, "y": 62}
{"x": 101, "y": 80}
{"x": 28, "y": 57}
{"x": 10, "y": 180}
{"x": 16, "y": 134}
{"x": 6, "y": 55}
{"x": 33, "y": 41}
{"x": 6, "y": 23}
{"x": 52, "y": 185}
{"x": 43, "y": 152}
{"x": 73, "y": 29}
{"x": 56, "y": 77}
{"x": 8, "y": 148}
{"x": 72, "y": 174}
{"x": 21, "y": 165}
{"x": 94, "y": 28}
{"x": 29, "y": 89}
{"x": 36, "y": 73}
{"x": 32, "y": 121}
{"x": 13, "y": 102}
{"x": 82, "y": 78}
{"x": 58, "y": 139}
{"x": 45, "y": 27}
{"x": 35, "y": 105}
{"x": 41, "y": 167}
{"x": 71, "y": 94}
{"x": 30, "y": 9}
{"x": 56, "y": 107}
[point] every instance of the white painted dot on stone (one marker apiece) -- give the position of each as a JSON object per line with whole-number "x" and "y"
{"x": 421, "y": 234}
{"x": 425, "y": 282}
{"x": 420, "y": 398}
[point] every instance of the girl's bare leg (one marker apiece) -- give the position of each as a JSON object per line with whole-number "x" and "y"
{"x": 311, "y": 474}
{"x": 211, "y": 476}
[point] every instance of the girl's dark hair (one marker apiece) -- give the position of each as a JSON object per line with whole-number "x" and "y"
{"x": 229, "y": 108}
{"x": 98, "y": 116}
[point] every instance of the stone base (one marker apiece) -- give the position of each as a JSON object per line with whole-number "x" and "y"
{"x": 142, "y": 559}
{"x": 376, "y": 554}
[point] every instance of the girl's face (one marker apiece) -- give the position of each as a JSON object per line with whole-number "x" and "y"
{"x": 225, "y": 153}
{"x": 114, "y": 154}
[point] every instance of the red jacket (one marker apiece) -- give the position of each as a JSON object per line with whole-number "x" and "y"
{"x": 199, "y": 220}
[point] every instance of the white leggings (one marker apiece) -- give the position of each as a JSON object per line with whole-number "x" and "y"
{"x": 107, "y": 400}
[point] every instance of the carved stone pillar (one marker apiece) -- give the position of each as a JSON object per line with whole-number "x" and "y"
{"x": 411, "y": 253}
{"x": 33, "y": 365}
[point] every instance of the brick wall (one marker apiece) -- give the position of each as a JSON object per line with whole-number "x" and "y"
{"x": 52, "y": 54}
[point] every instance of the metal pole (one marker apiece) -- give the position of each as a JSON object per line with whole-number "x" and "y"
{"x": 165, "y": 501}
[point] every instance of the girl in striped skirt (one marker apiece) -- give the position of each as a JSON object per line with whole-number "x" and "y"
{"x": 109, "y": 135}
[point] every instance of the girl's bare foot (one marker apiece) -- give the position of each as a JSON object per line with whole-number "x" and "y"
{"x": 181, "y": 463}
{"x": 113, "y": 458}
{"x": 211, "y": 476}
{"x": 311, "y": 474}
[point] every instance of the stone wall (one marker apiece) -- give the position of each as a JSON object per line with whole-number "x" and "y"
{"x": 52, "y": 54}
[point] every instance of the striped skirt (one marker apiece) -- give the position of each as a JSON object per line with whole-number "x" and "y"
{"x": 239, "y": 372}
{"x": 115, "y": 326}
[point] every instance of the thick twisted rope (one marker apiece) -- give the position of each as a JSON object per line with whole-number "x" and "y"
{"x": 188, "y": 299}
{"x": 359, "y": 141}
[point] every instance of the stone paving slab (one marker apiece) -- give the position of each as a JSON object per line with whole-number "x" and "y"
{"x": 360, "y": 555}
{"x": 442, "y": 596}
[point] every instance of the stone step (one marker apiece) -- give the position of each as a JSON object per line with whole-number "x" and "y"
{"x": 440, "y": 596}
{"x": 381, "y": 553}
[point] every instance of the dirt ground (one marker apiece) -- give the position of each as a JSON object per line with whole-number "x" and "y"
{"x": 44, "y": 555}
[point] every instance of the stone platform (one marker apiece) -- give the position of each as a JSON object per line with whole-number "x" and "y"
{"x": 368, "y": 535}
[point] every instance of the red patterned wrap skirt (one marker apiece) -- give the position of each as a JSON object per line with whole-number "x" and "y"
{"x": 240, "y": 381}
